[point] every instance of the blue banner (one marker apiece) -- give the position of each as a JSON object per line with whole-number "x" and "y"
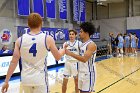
{"x": 76, "y": 10}
{"x": 38, "y": 7}
{"x": 82, "y": 11}
{"x": 51, "y": 11}
{"x": 23, "y": 7}
{"x": 63, "y": 9}
{"x": 56, "y": 33}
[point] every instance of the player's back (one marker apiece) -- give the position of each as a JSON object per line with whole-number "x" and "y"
{"x": 127, "y": 39}
{"x": 133, "y": 39}
{"x": 121, "y": 40}
{"x": 33, "y": 55}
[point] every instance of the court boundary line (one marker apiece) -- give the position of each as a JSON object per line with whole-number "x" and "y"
{"x": 117, "y": 81}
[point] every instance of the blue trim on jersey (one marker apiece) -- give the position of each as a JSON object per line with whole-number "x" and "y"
{"x": 85, "y": 91}
{"x": 35, "y": 34}
{"x": 73, "y": 44}
{"x": 90, "y": 82}
{"x": 46, "y": 43}
{"x": 20, "y": 43}
{"x": 93, "y": 60}
{"x": 20, "y": 67}
{"x": 77, "y": 66}
{"x": 46, "y": 74}
{"x": 93, "y": 82}
{"x": 78, "y": 47}
{"x": 86, "y": 42}
{"x": 94, "y": 78}
{"x": 66, "y": 76}
{"x": 89, "y": 65}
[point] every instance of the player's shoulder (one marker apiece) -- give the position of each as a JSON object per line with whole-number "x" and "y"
{"x": 79, "y": 42}
{"x": 92, "y": 44}
{"x": 49, "y": 37}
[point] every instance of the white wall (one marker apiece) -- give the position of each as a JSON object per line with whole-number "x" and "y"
{"x": 112, "y": 10}
{"x": 102, "y": 12}
{"x": 133, "y": 22}
{"x": 117, "y": 10}
{"x": 88, "y": 11}
{"x": 8, "y": 23}
{"x": 7, "y": 8}
{"x": 115, "y": 25}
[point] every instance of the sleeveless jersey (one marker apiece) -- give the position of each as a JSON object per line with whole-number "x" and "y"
{"x": 127, "y": 39}
{"x": 133, "y": 39}
{"x": 89, "y": 65}
{"x": 121, "y": 40}
{"x": 73, "y": 47}
{"x": 33, "y": 56}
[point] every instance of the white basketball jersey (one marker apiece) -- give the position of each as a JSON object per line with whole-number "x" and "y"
{"x": 73, "y": 47}
{"x": 89, "y": 65}
{"x": 33, "y": 56}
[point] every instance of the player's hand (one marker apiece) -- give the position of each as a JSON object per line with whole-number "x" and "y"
{"x": 62, "y": 51}
{"x": 65, "y": 46}
{"x": 67, "y": 52}
{"x": 5, "y": 87}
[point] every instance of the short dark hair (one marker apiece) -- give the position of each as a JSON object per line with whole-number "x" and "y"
{"x": 88, "y": 27}
{"x": 34, "y": 20}
{"x": 75, "y": 32}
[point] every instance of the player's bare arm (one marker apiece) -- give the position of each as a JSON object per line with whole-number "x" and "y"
{"x": 90, "y": 49}
{"x": 13, "y": 64}
{"x": 51, "y": 45}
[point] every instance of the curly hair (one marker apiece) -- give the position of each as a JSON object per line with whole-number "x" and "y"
{"x": 88, "y": 27}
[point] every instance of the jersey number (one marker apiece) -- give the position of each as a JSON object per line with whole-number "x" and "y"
{"x": 33, "y": 50}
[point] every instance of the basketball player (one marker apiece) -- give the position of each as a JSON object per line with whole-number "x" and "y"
{"x": 109, "y": 45}
{"x": 33, "y": 48}
{"x": 86, "y": 68}
{"x": 126, "y": 43}
{"x": 137, "y": 41}
{"x": 71, "y": 64}
{"x": 120, "y": 45}
{"x": 133, "y": 44}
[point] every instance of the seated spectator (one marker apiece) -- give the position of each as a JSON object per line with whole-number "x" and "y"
{"x": 5, "y": 50}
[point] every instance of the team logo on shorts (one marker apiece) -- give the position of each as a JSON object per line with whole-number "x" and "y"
{"x": 6, "y": 36}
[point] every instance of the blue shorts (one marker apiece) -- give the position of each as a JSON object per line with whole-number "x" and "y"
{"x": 120, "y": 45}
{"x": 133, "y": 45}
{"x": 126, "y": 45}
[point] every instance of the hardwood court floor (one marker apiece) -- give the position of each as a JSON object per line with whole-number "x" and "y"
{"x": 114, "y": 75}
{"x": 130, "y": 84}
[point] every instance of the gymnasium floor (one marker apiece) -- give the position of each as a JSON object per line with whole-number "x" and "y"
{"x": 114, "y": 75}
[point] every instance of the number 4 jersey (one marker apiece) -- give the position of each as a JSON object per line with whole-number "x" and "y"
{"x": 33, "y": 56}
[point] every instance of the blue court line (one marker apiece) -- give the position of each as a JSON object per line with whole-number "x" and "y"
{"x": 101, "y": 58}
